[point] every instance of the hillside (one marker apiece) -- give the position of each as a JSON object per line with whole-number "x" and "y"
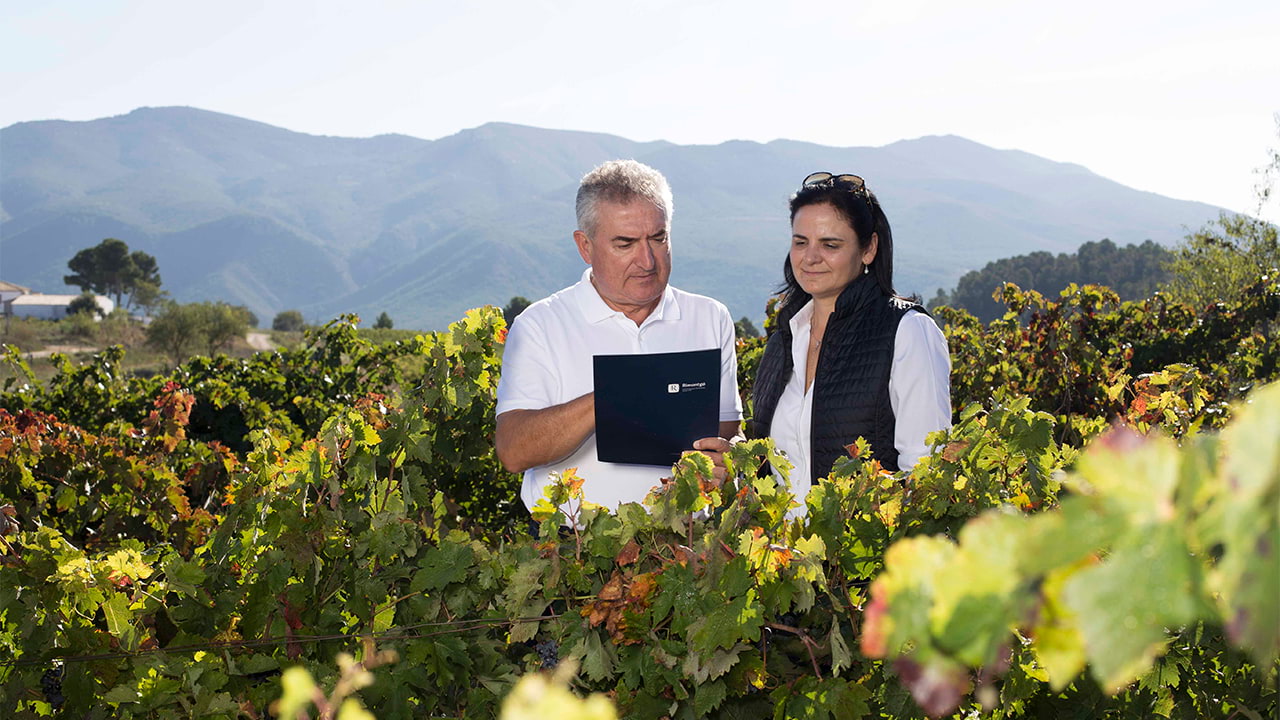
{"x": 253, "y": 214}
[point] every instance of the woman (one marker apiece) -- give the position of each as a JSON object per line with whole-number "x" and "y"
{"x": 848, "y": 357}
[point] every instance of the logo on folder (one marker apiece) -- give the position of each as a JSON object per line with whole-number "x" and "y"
{"x": 673, "y": 388}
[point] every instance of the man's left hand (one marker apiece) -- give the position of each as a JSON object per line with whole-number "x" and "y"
{"x": 714, "y": 448}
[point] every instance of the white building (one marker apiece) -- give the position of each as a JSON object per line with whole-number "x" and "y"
{"x": 50, "y": 307}
{"x": 9, "y": 291}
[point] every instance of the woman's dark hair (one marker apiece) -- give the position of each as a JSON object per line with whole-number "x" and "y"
{"x": 860, "y": 208}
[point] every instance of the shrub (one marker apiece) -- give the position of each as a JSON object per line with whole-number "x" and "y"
{"x": 287, "y": 321}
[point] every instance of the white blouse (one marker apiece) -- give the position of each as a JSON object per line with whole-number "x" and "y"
{"x": 919, "y": 393}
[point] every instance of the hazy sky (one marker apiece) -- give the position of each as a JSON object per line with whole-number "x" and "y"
{"x": 1173, "y": 97}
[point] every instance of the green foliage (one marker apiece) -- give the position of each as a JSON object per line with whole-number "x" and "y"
{"x": 1153, "y": 537}
{"x": 1132, "y": 271}
{"x": 175, "y": 331}
{"x": 744, "y": 328}
{"x": 85, "y": 303}
{"x": 109, "y": 268}
{"x": 288, "y": 321}
{"x": 192, "y": 539}
{"x": 80, "y": 326}
{"x": 1220, "y": 262}
{"x": 212, "y": 327}
{"x": 1088, "y": 357}
{"x": 712, "y": 602}
{"x": 221, "y": 324}
{"x": 24, "y": 333}
{"x": 514, "y": 307}
{"x": 538, "y": 697}
{"x": 301, "y": 691}
{"x": 383, "y": 322}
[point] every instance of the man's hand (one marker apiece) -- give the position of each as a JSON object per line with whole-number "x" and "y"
{"x": 714, "y": 448}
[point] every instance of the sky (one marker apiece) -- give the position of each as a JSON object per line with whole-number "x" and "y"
{"x": 1174, "y": 97}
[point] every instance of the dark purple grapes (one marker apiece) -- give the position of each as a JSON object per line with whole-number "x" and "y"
{"x": 548, "y": 653}
{"x": 51, "y": 686}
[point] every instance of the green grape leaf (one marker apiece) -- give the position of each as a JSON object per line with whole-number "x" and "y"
{"x": 720, "y": 662}
{"x": 120, "y": 621}
{"x": 708, "y": 696}
{"x": 841, "y": 658}
{"x": 974, "y": 608}
{"x": 1246, "y": 522}
{"x": 1123, "y": 604}
{"x": 444, "y": 564}
{"x": 724, "y": 626}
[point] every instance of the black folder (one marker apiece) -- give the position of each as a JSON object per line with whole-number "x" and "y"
{"x": 650, "y": 408}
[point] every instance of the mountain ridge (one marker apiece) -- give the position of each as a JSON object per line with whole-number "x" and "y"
{"x": 251, "y": 213}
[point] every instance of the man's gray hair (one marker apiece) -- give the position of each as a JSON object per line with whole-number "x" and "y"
{"x": 620, "y": 181}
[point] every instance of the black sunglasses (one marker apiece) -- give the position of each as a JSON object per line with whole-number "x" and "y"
{"x": 856, "y": 182}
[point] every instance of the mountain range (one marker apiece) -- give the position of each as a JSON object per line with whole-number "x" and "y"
{"x": 252, "y": 214}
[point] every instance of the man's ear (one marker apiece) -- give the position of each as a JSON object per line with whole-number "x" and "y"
{"x": 584, "y": 245}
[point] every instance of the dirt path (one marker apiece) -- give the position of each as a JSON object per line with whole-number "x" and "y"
{"x": 260, "y": 341}
{"x": 67, "y": 349}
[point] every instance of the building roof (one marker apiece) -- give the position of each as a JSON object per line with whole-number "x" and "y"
{"x": 11, "y": 287}
{"x": 42, "y": 299}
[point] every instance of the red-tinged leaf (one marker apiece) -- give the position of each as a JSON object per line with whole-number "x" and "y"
{"x": 875, "y": 635}
{"x": 936, "y": 689}
{"x": 1139, "y": 405}
{"x": 1120, "y": 439}
{"x": 953, "y": 450}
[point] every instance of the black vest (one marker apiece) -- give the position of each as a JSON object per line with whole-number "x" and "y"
{"x": 851, "y": 382}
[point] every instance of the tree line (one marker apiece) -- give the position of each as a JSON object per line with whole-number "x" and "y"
{"x": 1209, "y": 266}
{"x": 176, "y": 329}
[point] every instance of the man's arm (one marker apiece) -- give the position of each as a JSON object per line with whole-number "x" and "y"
{"x": 529, "y": 438}
{"x": 729, "y": 429}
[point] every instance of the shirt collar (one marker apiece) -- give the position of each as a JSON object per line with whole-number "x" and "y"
{"x": 801, "y": 319}
{"x": 595, "y": 310}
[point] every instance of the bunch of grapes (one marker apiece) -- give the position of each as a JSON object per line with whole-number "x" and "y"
{"x": 548, "y": 653}
{"x": 51, "y": 685}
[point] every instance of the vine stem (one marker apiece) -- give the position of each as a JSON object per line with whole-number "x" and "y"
{"x": 807, "y": 641}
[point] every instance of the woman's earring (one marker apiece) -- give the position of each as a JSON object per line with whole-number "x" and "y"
{"x": 866, "y": 269}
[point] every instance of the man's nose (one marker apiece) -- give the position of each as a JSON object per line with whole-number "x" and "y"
{"x": 645, "y": 259}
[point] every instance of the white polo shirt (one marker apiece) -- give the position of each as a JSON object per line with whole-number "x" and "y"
{"x": 548, "y": 361}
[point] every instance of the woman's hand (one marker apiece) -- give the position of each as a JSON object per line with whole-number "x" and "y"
{"x": 714, "y": 448}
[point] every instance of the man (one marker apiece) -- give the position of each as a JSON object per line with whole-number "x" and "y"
{"x": 622, "y": 305}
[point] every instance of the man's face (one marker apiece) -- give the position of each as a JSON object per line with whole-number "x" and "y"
{"x": 629, "y": 255}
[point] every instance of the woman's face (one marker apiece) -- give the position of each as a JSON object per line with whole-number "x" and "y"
{"x": 825, "y": 255}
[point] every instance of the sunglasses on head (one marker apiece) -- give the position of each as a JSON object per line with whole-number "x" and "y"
{"x": 847, "y": 179}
